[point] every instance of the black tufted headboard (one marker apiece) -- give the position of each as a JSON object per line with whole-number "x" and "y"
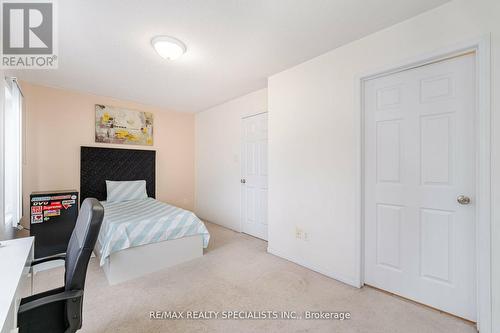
{"x": 100, "y": 164}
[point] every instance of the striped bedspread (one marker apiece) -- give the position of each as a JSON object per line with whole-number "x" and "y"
{"x": 139, "y": 222}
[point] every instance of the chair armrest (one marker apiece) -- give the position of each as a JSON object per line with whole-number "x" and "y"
{"x": 65, "y": 295}
{"x": 61, "y": 256}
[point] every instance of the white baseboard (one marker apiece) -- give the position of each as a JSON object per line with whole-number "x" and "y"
{"x": 339, "y": 277}
{"x": 230, "y": 227}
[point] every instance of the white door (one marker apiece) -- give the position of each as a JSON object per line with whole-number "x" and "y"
{"x": 254, "y": 176}
{"x": 419, "y": 173}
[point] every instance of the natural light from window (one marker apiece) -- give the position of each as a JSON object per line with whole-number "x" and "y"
{"x": 12, "y": 151}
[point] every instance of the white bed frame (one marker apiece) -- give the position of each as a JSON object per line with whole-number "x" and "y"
{"x": 137, "y": 261}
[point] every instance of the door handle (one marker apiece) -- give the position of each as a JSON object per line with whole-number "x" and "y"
{"x": 243, "y": 181}
{"x": 463, "y": 200}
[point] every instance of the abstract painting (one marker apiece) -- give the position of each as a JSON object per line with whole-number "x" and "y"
{"x": 118, "y": 125}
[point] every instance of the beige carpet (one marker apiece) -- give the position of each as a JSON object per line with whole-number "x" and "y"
{"x": 236, "y": 273}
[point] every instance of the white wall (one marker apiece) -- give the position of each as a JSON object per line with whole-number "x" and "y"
{"x": 312, "y": 150}
{"x": 218, "y": 170}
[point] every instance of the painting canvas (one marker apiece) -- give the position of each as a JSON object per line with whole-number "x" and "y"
{"x": 117, "y": 125}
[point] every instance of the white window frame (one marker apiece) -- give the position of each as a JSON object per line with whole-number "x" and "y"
{"x": 12, "y": 85}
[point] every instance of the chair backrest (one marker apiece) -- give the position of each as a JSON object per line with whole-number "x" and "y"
{"x": 82, "y": 243}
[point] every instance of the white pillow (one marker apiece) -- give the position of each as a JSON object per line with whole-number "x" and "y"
{"x": 125, "y": 190}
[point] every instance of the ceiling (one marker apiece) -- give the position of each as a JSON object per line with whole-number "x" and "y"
{"x": 233, "y": 45}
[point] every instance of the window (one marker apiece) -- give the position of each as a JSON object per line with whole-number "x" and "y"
{"x": 12, "y": 153}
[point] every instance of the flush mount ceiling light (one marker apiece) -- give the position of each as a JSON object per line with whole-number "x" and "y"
{"x": 168, "y": 47}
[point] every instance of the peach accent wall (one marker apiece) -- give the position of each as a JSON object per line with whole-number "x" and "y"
{"x": 58, "y": 122}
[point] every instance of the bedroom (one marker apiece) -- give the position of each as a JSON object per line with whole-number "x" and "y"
{"x": 262, "y": 136}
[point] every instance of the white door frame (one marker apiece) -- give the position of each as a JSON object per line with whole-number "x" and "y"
{"x": 481, "y": 47}
{"x": 242, "y": 139}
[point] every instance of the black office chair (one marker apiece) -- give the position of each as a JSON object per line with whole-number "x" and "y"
{"x": 60, "y": 309}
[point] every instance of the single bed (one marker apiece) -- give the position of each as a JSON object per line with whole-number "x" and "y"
{"x": 137, "y": 236}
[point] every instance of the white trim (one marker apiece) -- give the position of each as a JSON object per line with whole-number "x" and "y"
{"x": 242, "y": 151}
{"x": 253, "y": 115}
{"x": 342, "y": 278}
{"x": 21, "y": 151}
{"x": 483, "y": 189}
{"x": 481, "y": 47}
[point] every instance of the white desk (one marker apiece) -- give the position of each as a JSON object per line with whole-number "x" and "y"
{"x": 15, "y": 258}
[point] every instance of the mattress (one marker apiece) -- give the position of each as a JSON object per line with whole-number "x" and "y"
{"x": 140, "y": 222}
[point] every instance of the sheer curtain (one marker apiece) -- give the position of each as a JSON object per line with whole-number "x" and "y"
{"x": 12, "y": 153}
